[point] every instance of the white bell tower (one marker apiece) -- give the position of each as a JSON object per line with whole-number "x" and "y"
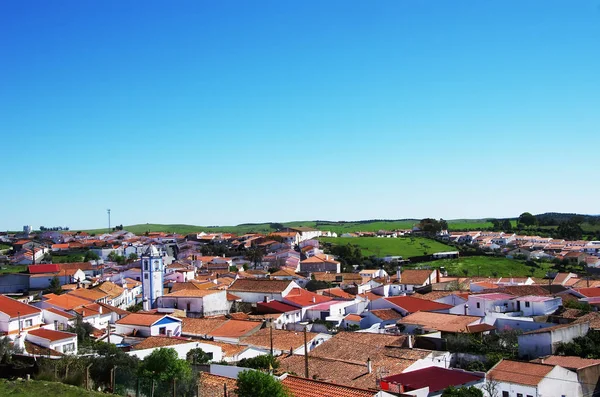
{"x": 152, "y": 277}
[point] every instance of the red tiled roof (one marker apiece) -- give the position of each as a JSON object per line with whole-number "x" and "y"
{"x": 353, "y": 317}
{"x": 412, "y": 305}
{"x": 160, "y": 341}
{"x": 301, "y": 387}
{"x": 37, "y": 269}
{"x": 589, "y": 292}
{"x": 144, "y": 320}
{"x": 235, "y": 328}
{"x": 440, "y": 321}
{"x": 274, "y": 307}
{"x": 416, "y": 276}
{"x": 569, "y": 362}
{"x": 435, "y": 377}
{"x": 520, "y": 373}
{"x": 13, "y": 308}
{"x": 259, "y": 285}
{"x": 386, "y": 314}
{"x": 67, "y": 301}
{"x": 51, "y": 335}
{"x": 302, "y": 297}
{"x": 60, "y": 313}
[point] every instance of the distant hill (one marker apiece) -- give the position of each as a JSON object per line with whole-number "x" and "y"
{"x": 370, "y": 225}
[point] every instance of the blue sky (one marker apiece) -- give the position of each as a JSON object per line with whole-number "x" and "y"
{"x": 227, "y": 112}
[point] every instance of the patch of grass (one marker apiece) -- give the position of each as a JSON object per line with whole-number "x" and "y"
{"x": 46, "y": 389}
{"x": 403, "y": 246}
{"x": 4, "y": 247}
{"x": 6, "y": 269}
{"x": 487, "y": 266}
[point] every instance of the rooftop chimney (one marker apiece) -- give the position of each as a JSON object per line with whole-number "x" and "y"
{"x": 314, "y": 299}
{"x": 399, "y": 273}
{"x": 369, "y": 365}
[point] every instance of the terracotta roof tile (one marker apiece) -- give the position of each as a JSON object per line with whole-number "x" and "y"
{"x": 386, "y": 314}
{"x": 521, "y": 373}
{"x": 213, "y": 385}
{"x": 440, "y": 321}
{"x": 259, "y": 285}
{"x": 411, "y": 304}
{"x": 282, "y": 339}
{"x": 13, "y": 308}
{"x": 236, "y": 329}
{"x": 301, "y": 387}
{"x": 201, "y": 326}
{"x": 301, "y": 297}
{"x": 144, "y": 320}
{"x": 51, "y": 335}
{"x": 569, "y": 362}
{"x": 160, "y": 341}
{"x": 416, "y": 276}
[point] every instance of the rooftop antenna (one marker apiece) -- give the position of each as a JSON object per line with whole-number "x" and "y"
{"x": 108, "y": 212}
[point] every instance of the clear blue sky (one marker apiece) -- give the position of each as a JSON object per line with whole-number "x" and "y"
{"x": 225, "y": 112}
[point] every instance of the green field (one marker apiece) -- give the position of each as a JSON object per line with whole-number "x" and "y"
{"x": 5, "y": 269}
{"x": 46, "y": 389}
{"x": 403, "y": 246}
{"x": 485, "y": 266}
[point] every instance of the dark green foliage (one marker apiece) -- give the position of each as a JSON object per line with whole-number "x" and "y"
{"x": 587, "y": 346}
{"x": 504, "y": 344}
{"x": 197, "y": 356}
{"x": 462, "y": 392}
{"x": 55, "y": 286}
{"x": 259, "y": 362}
{"x": 258, "y": 384}
{"x": 349, "y": 255}
{"x": 163, "y": 364}
{"x": 91, "y": 256}
{"x": 573, "y": 304}
{"x": 432, "y": 226}
{"x": 314, "y": 285}
{"x": 526, "y": 219}
{"x": 569, "y": 230}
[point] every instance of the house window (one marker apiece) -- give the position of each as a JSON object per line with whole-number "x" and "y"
{"x": 162, "y": 331}
{"x": 505, "y": 394}
{"x": 145, "y": 265}
{"x": 529, "y": 395}
{"x": 478, "y": 305}
{"x": 69, "y": 347}
{"x": 189, "y": 307}
{"x": 526, "y": 304}
{"x": 210, "y": 355}
{"x": 28, "y": 323}
{"x": 519, "y": 394}
{"x": 146, "y": 276}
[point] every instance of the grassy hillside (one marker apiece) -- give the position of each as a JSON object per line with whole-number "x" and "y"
{"x": 46, "y": 389}
{"x": 485, "y": 266}
{"x": 338, "y": 227}
{"x": 4, "y": 269}
{"x": 381, "y": 247}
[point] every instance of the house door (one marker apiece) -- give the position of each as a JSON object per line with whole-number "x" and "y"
{"x": 189, "y": 305}
{"x": 518, "y": 306}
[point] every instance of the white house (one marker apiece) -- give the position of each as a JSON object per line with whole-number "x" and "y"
{"x": 521, "y": 379}
{"x": 537, "y": 305}
{"x": 257, "y": 290}
{"x": 16, "y": 317}
{"x": 479, "y": 305}
{"x": 148, "y": 325}
{"x": 197, "y": 302}
{"x": 63, "y": 342}
{"x": 373, "y": 273}
{"x": 61, "y": 319}
{"x": 544, "y": 341}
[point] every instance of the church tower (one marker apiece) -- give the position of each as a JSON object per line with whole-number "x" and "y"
{"x": 152, "y": 277}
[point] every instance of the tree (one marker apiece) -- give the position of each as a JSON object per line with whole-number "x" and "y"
{"x": 462, "y": 392}
{"x": 569, "y": 230}
{"x": 55, "y": 286}
{"x": 259, "y": 362}
{"x": 198, "y": 356}
{"x": 491, "y": 386}
{"x": 526, "y": 219}
{"x": 259, "y": 384}
{"x": 164, "y": 365}
{"x": 506, "y": 225}
{"x": 132, "y": 257}
{"x": 255, "y": 255}
{"x": 91, "y": 256}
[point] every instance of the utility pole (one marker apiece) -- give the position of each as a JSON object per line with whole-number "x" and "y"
{"x": 174, "y": 388}
{"x": 305, "y": 355}
{"x": 108, "y": 211}
{"x": 271, "y": 335}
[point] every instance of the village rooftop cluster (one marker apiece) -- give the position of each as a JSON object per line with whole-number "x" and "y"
{"x": 371, "y": 332}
